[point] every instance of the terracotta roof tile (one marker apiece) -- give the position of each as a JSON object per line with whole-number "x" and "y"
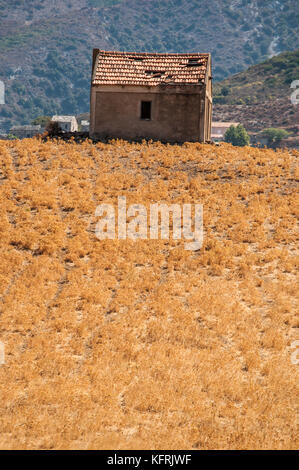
{"x": 132, "y": 68}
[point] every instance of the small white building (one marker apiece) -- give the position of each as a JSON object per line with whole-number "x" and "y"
{"x": 26, "y": 131}
{"x": 219, "y": 129}
{"x": 66, "y": 123}
{"x": 85, "y": 126}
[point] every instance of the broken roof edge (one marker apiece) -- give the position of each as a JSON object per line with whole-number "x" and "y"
{"x": 161, "y": 84}
{"x": 173, "y": 54}
{"x": 208, "y": 73}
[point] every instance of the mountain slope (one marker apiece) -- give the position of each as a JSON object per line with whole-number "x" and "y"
{"x": 266, "y": 81}
{"x": 45, "y": 47}
{"x": 260, "y": 97}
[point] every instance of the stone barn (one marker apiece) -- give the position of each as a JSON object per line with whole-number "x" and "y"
{"x": 166, "y": 97}
{"x": 27, "y": 131}
{"x": 66, "y": 123}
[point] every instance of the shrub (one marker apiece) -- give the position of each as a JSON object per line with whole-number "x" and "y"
{"x": 237, "y": 135}
{"x": 53, "y": 129}
{"x": 274, "y": 135}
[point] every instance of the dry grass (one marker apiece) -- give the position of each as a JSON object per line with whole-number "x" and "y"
{"x": 116, "y": 344}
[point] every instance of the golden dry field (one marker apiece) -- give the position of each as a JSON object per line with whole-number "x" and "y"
{"x": 122, "y": 344}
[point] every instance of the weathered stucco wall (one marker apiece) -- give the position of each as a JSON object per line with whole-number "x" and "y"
{"x": 176, "y": 113}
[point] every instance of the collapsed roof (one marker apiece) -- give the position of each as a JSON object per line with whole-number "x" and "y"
{"x": 127, "y": 68}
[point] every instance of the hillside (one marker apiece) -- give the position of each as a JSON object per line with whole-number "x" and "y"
{"x": 45, "y": 47}
{"x": 260, "y": 97}
{"x": 122, "y": 344}
{"x": 266, "y": 81}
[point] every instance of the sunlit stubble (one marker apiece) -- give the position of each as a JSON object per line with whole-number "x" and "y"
{"x": 295, "y": 354}
{"x": 2, "y": 353}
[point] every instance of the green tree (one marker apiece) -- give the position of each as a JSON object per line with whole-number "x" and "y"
{"x": 237, "y": 135}
{"x": 42, "y": 120}
{"x": 274, "y": 135}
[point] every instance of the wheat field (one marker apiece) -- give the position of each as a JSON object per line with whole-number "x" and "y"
{"x": 122, "y": 344}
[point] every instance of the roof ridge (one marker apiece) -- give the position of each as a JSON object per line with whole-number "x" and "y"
{"x": 171, "y": 54}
